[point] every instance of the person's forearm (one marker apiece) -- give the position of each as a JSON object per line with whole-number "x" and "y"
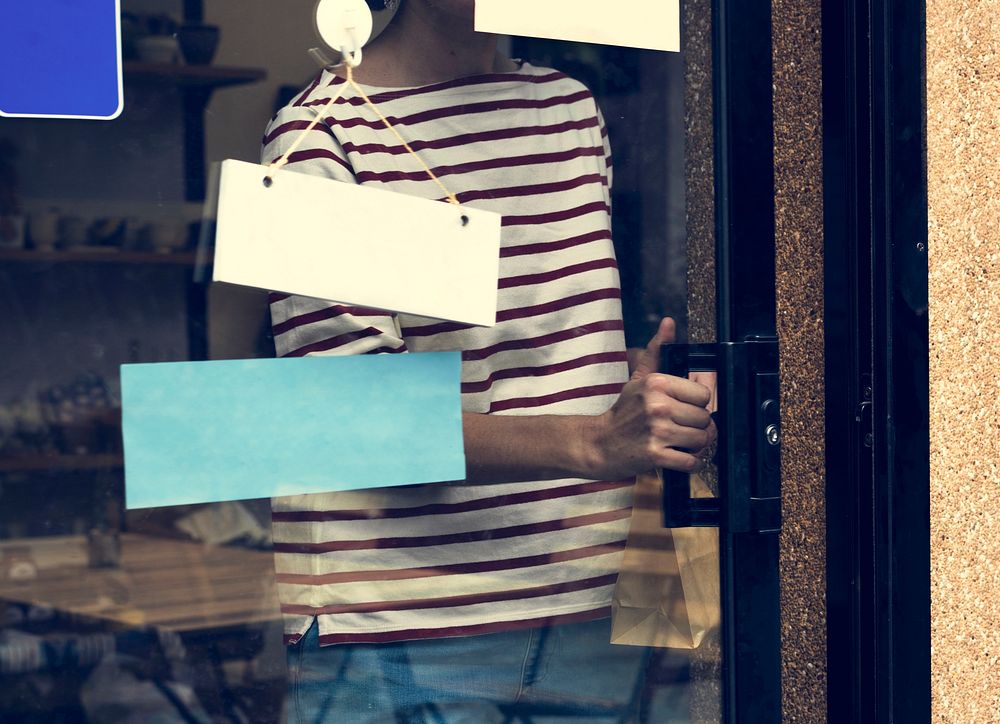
{"x": 657, "y": 421}
{"x": 513, "y": 448}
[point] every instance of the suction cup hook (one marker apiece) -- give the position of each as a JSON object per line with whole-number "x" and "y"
{"x": 345, "y": 26}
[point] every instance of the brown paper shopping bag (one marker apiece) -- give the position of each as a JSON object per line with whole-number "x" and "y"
{"x": 667, "y": 593}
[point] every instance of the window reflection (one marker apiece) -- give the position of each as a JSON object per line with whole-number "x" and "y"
{"x": 172, "y": 614}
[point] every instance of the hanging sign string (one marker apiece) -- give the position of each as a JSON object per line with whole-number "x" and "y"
{"x": 277, "y": 165}
{"x": 350, "y": 82}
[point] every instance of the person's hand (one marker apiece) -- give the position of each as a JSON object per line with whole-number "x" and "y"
{"x": 659, "y": 420}
{"x": 647, "y": 360}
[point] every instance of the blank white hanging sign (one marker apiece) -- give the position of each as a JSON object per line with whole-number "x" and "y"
{"x": 651, "y": 24}
{"x": 357, "y": 245}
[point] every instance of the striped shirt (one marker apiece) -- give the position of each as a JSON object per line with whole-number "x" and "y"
{"x": 453, "y": 559}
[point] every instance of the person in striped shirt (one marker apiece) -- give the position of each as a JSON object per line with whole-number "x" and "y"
{"x": 468, "y": 598}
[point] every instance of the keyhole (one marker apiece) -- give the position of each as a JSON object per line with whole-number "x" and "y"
{"x": 268, "y": 181}
{"x": 465, "y": 220}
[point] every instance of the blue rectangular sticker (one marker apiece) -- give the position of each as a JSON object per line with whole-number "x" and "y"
{"x": 61, "y": 59}
{"x": 198, "y": 432}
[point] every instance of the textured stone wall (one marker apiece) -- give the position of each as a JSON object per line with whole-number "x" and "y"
{"x": 798, "y": 166}
{"x": 963, "y": 157}
{"x": 699, "y": 169}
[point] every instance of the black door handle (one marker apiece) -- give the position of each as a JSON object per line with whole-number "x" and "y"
{"x": 748, "y": 456}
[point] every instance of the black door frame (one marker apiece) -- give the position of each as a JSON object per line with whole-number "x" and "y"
{"x": 877, "y": 444}
{"x": 745, "y": 284}
{"x": 747, "y": 509}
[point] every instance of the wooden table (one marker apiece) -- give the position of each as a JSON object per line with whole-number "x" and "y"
{"x": 217, "y": 599}
{"x": 169, "y": 584}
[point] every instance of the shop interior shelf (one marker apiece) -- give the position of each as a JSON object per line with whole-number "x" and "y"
{"x": 43, "y": 462}
{"x": 104, "y": 255}
{"x": 207, "y": 76}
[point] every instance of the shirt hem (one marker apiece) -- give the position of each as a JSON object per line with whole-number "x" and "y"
{"x": 538, "y": 619}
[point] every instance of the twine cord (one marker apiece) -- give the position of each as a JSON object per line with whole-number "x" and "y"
{"x": 350, "y": 82}
{"x": 302, "y": 136}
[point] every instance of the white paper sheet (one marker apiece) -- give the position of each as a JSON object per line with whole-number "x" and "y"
{"x": 652, "y": 24}
{"x": 356, "y": 245}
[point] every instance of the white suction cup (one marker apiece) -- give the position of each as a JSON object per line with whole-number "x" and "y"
{"x": 345, "y": 26}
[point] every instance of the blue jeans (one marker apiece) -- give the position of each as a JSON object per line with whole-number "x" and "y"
{"x": 561, "y": 674}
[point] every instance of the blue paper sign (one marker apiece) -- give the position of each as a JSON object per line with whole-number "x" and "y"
{"x": 198, "y": 432}
{"x": 61, "y": 59}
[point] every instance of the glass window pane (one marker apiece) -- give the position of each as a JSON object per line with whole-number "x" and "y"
{"x": 488, "y": 599}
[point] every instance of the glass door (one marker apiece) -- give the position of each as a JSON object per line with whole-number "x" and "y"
{"x": 634, "y": 185}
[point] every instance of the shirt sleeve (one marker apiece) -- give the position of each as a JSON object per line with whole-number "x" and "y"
{"x": 303, "y": 326}
{"x": 607, "y": 148}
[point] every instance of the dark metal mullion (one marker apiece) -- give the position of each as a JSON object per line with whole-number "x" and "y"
{"x": 881, "y": 553}
{"x": 878, "y": 560}
{"x": 723, "y": 333}
{"x": 903, "y": 302}
{"x": 867, "y": 611}
{"x": 838, "y": 144}
{"x": 864, "y": 545}
{"x": 847, "y": 187}
{"x": 744, "y": 198}
{"x": 744, "y": 170}
{"x": 723, "y": 252}
{"x": 869, "y": 166}
{"x": 881, "y": 349}
{"x": 720, "y": 90}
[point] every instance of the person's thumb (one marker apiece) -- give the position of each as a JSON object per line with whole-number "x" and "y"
{"x": 649, "y": 361}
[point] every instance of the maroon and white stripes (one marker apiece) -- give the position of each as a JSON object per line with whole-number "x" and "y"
{"x": 541, "y": 559}
{"x": 469, "y": 630}
{"x": 454, "y": 559}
